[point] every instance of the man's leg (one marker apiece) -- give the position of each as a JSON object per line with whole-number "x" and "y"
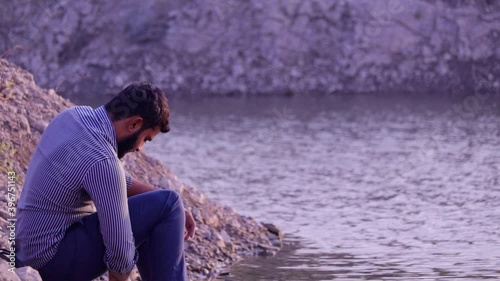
{"x": 158, "y": 222}
{"x": 80, "y": 255}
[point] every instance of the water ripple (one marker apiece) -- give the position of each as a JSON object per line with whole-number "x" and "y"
{"x": 369, "y": 189}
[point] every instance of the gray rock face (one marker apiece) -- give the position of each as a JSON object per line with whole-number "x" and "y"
{"x": 91, "y": 49}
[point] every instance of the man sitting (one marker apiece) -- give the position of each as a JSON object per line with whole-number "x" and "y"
{"x": 74, "y": 220}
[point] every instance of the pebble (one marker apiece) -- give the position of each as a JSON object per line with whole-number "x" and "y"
{"x": 5, "y": 274}
{"x": 37, "y": 125}
{"x": 28, "y": 274}
{"x": 212, "y": 220}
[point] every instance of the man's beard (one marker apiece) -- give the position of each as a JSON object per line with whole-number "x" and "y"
{"x": 127, "y": 144}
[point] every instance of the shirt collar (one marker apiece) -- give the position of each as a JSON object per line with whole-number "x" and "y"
{"x": 107, "y": 125}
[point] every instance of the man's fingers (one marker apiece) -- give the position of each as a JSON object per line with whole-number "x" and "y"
{"x": 190, "y": 226}
{"x": 191, "y": 232}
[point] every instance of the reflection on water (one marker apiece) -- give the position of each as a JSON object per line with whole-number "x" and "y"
{"x": 373, "y": 188}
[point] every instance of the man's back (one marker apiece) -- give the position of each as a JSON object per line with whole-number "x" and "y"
{"x": 53, "y": 197}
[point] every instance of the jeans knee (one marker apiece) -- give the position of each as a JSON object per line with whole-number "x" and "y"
{"x": 173, "y": 200}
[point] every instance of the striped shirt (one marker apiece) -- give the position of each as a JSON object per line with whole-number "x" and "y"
{"x": 74, "y": 172}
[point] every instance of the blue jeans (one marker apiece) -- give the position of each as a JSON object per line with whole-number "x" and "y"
{"x": 158, "y": 223}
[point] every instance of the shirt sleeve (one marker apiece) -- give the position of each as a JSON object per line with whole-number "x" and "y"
{"x": 105, "y": 182}
{"x": 128, "y": 178}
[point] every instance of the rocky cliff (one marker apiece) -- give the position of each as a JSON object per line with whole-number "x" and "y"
{"x": 222, "y": 236}
{"x": 88, "y": 49}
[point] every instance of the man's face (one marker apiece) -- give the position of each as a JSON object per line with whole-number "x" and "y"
{"x": 135, "y": 141}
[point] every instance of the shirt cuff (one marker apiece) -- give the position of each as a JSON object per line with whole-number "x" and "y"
{"x": 128, "y": 268}
{"x": 128, "y": 178}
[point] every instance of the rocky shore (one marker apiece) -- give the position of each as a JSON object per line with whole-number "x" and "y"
{"x": 223, "y": 236}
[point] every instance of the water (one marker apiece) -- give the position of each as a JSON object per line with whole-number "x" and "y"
{"x": 366, "y": 188}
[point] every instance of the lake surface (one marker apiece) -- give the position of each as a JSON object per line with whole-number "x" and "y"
{"x": 366, "y": 188}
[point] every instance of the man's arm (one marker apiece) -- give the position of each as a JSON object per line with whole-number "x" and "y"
{"x": 106, "y": 184}
{"x": 138, "y": 187}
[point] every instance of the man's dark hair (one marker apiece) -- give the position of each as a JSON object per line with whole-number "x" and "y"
{"x": 145, "y": 100}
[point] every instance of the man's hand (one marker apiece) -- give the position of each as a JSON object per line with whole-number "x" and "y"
{"x": 190, "y": 226}
{"x": 138, "y": 187}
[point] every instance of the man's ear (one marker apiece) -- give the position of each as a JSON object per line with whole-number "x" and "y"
{"x": 135, "y": 124}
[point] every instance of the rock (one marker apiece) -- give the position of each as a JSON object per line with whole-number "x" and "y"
{"x": 234, "y": 224}
{"x": 196, "y": 214}
{"x": 212, "y": 220}
{"x": 275, "y": 241}
{"x": 23, "y": 122}
{"x": 273, "y": 229}
{"x": 3, "y": 222}
{"x": 219, "y": 241}
{"x": 225, "y": 273}
{"x": 4, "y": 198}
{"x": 164, "y": 183}
{"x": 6, "y": 273}
{"x": 37, "y": 124}
{"x": 28, "y": 273}
{"x": 207, "y": 235}
{"x": 151, "y": 161}
{"x": 266, "y": 250}
{"x": 225, "y": 236}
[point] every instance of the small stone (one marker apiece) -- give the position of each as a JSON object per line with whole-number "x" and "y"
{"x": 152, "y": 161}
{"x": 273, "y": 229}
{"x": 266, "y": 250}
{"x": 219, "y": 241}
{"x": 266, "y": 253}
{"x": 212, "y": 220}
{"x": 181, "y": 188}
{"x": 220, "y": 244}
{"x": 196, "y": 214}
{"x": 23, "y": 122}
{"x": 267, "y": 247}
{"x": 234, "y": 224}
{"x": 225, "y": 236}
{"x": 154, "y": 182}
{"x": 224, "y": 273}
{"x": 230, "y": 247}
{"x": 28, "y": 273}
{"x": 38, "y": 125}
{"x": 206, "y": 234}
{"x": 275, "y": 241}
{"x": 199, "y": 197}
{"x": 6, "y": 274}
{"x": 164, "y": 183}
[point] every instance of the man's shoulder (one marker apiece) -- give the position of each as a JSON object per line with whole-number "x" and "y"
{"x": 74, "y": 113}
{"x": 77, "y": 109}
{"x": 84, "y": 133}
{"x": 82, "y": 110}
